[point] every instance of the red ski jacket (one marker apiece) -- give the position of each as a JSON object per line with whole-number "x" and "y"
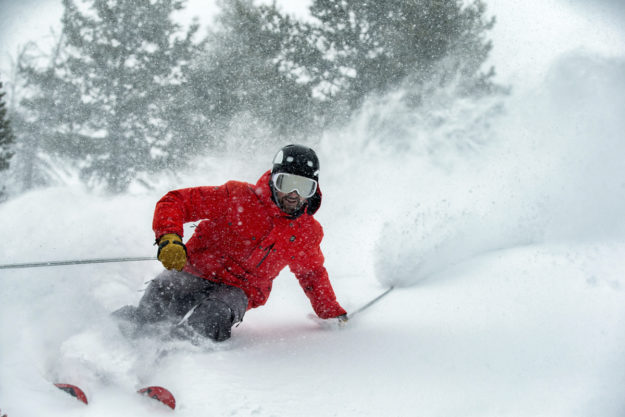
{"x": 245, "y": 240}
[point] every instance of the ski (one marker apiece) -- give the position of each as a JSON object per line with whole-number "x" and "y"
{"x": 155, "y": 392}
{"x": 160, "y": 394}
{"x": 74, "y": 391}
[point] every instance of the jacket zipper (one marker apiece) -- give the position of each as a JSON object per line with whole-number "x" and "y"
{"x": 267, "y": 251}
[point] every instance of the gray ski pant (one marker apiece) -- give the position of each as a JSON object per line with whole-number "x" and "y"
{"x": 211, "y": 308}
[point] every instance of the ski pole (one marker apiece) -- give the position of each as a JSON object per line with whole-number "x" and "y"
{"x": 370, "y": 303}
{"x": 77, "y": 262}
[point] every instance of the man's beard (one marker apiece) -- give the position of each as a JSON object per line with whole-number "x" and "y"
{"x": 289, "y": 206}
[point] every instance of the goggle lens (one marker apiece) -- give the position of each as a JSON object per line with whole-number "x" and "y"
{"x": 286, "y": 183}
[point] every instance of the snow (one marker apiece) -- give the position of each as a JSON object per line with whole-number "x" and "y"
{"x": 507, "y": 260}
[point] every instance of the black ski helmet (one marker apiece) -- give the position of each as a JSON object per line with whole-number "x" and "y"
{"x": 298, "y": 160}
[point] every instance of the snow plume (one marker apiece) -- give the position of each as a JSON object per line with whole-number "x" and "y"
{"x": 586, "y": 96}
{"x": 397, "y": 147}
{"x": 461, "y": 177}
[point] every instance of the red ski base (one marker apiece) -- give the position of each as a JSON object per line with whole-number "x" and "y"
{"x": 74, "y": 391}
{"x": 160, "y": 394}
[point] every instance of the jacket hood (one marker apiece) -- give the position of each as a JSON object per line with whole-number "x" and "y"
{"x": 264, "y": 189}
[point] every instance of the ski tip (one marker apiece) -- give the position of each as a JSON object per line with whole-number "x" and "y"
{"x": 74, "y": 391}
{"x": 161, "y": 394}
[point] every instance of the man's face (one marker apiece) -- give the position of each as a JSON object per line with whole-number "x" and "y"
{"x": 290, "y": 202}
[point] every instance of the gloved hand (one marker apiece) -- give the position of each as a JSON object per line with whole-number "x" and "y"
{"x": 342, "y": 320}
{"x": 172, "y": 252}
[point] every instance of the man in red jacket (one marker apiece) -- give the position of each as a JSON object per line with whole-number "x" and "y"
{"x": 247, "y": 234}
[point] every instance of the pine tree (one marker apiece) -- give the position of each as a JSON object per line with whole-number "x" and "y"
{"x": 47, "y": 119}
{"x": 7, "y": 140}
{"x": 373, "y": 46}
{"x": 243, "y": 75}
{"x": 127, "y": 60}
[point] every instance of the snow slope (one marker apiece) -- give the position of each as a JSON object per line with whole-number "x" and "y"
{"x": 507, "y": 257}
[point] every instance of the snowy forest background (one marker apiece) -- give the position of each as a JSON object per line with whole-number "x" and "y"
{"x": 126, "y": 92}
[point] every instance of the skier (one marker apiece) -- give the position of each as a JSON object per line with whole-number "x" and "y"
{"x": 247, "y": 235}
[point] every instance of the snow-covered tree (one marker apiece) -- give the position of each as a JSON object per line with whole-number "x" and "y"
{"x": 373, "y": 46}
{"x": 47, "y": 118}
{"x": 127, "y": 59}
{"x": 241, "y": 74}
{"x": 7, "y": 140}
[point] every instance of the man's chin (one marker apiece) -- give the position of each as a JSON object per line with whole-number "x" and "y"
{"x": 289, "y": 208}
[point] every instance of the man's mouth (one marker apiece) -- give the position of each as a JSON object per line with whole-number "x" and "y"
{"x": 290, "y": 204}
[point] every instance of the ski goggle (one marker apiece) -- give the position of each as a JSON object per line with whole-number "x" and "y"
{"x": 286, "y": 183}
